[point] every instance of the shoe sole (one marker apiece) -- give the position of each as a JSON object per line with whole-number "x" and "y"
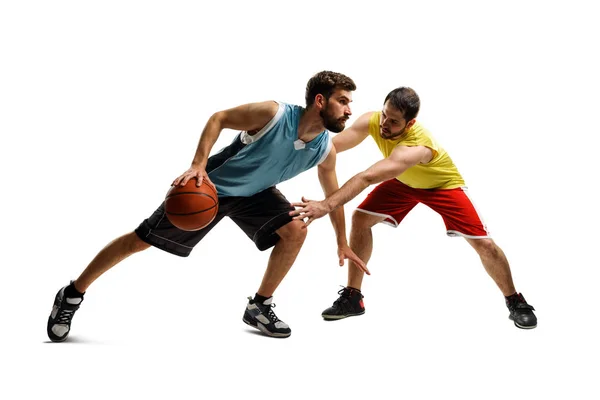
{"x": 336, "y": 317}
{"x": 264, "y": 330}
{"x": 519, "y": 325}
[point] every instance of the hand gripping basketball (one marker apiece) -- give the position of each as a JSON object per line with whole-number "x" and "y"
{"x": 191, "y": 207}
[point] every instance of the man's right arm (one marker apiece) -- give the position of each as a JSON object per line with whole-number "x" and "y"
{"x": 247, "y": 117}
{"x": 354, "y": 135}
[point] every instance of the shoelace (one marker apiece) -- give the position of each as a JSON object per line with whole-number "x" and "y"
{"x": 271, "y": 314}
{"x": 521, "y": 303}
{"x": 344, "y": 299}
{"x": 65, "y": 316}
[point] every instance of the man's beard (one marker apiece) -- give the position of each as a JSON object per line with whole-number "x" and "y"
{"x": 390, "y": 135}
{"x": 331, "y": 123}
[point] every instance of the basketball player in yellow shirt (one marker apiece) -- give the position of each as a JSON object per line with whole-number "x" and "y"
{"x": 416, "y": 169}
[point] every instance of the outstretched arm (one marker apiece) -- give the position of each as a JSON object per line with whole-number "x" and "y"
{"x": 352, "y": 136}
{"x": 402, "y": 158}
{"x": 329, "y": 183}
{"x": 246, "y": 117}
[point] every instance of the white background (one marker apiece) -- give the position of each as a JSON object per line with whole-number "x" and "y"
{"x": 102, "y": 104}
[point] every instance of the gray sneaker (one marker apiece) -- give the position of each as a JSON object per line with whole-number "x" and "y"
{"x": 262, "y": 317}
{"x": 59, "y": 321}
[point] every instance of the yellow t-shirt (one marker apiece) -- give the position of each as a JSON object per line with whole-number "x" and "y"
{"x": 439, "y": 173}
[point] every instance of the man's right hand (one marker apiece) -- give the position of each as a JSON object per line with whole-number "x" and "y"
{"x": 192, "y": 173}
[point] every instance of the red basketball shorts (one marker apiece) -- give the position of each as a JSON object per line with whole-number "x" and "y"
{"x": 393, "y": 200}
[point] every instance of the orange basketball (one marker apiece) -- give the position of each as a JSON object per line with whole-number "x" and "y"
{"x": 191, "y": 208}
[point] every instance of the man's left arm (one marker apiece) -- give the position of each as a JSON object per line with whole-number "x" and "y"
{"x": 402, "y": 158}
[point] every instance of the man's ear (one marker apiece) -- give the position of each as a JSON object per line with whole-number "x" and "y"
{"x": 320, "y": 101}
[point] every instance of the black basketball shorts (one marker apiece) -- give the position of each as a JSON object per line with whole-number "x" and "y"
{"x": 259, "y": 216}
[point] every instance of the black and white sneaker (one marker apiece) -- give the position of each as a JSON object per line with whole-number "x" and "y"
{"x": 262, "y": 317}
{"x": 349, "y": 304}
{"x": 59, "y": 321}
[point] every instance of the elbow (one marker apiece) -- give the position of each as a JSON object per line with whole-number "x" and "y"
{"x": 368, "y": 178}
{"x": 217, "y": 118}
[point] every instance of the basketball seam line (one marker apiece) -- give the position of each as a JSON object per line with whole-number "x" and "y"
{"x": 191, "y": 213}
{"x": 196, "y": 193}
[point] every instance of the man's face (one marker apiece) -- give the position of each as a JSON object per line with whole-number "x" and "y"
{"x": 337, "y": 111}
{"x": 392, "y": 124}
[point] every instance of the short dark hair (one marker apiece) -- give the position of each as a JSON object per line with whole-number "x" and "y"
{"x": 406, "y": 100}
{"x": 325, "y": 83}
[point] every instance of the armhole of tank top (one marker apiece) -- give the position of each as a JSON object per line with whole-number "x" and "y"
{"x": 434, "y": 153}
{"x": 247, "y": 139}
{"x": 327, "y": 150}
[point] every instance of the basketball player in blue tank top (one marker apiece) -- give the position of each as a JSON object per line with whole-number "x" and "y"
{"x": 278, "y": 141}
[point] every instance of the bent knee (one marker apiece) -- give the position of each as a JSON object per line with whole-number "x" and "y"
{"x": 294, "y": 231}
{"x": 361, "y": 220}
{"x": 485, "y": 246}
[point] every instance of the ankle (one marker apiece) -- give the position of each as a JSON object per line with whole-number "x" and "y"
{"x": 260, "y": 299}
{"x": 71, "y": 291}
{"x": 513, "y": 296}
{"x": 352, "y": 288}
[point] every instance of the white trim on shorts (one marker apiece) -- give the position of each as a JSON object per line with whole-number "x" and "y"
{"x": 386, "y": 216}
{"x": 460, "y": 234}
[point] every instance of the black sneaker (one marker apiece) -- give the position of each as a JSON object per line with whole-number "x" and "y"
{"x": 521, "y": 312}
{"x": 262, "y": 317}
{"x": 59, "y": 321}
{"x": 349, "y": 304}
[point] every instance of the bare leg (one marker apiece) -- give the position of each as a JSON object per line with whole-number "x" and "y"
{"x": 283, "y": 256}
{"x": 361, "y": 242}
{"x": 495, "y": 263}
{"x": 114, "y": 252}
